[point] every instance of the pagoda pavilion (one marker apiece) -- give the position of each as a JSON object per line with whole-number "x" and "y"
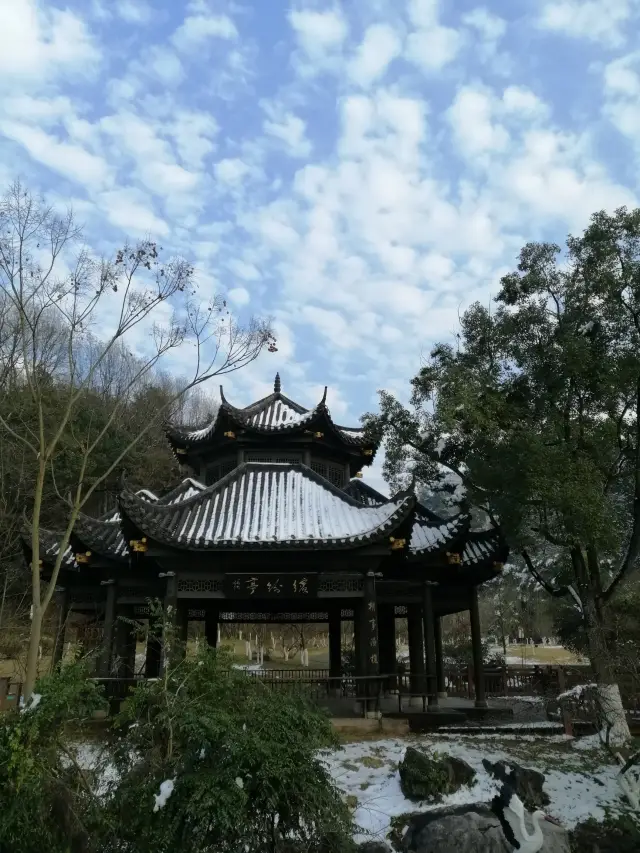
{"x": 273, "y": 523}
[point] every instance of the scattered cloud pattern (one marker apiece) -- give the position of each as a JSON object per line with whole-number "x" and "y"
{"x": 360, "y": 170}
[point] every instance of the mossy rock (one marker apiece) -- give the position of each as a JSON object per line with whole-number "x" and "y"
{"x": 429, "y": 777}
{"x": 613, "y": 835}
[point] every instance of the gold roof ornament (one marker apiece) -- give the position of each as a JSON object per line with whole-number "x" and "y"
{"x": 367, "y": 452}
{"x": 453, "y": 558}
{"x": 139, "y": 546}
{"x": 359, "y": 475}
{"x": 181, "y": 451}
{"x": 82, "y": 558}
{"x": 318, "y": 435}
{"x": 498, "y": 566}
{"x": 397, "y": 544}
{"x": 229, "y": 434}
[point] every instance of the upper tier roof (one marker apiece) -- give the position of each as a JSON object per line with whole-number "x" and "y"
{"x": 275, "y": 414}
{"x": 268, "y": 505}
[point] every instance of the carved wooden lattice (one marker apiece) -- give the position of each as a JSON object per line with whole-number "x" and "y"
{"x": 340, "y": 585}
{"x": 200, "y": 585}
{"x": 274, "y": 617}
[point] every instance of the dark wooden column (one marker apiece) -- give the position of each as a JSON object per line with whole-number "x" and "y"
{"x": 170, "y": 617}
{"x": 387, "y": 638}
{"x": 106, "y": 655}
{"x": 335, "y": 645}
{"x": 153, "y": 659}
{"x": 61, "y": 627}
{"x": 125, "y": 644}
{"x": 476, "y": 646}
{"x": 429, "y": 645}
{"x": 211, "y": 628}
{"x": 442, "y": 687}
{"x": 416, "y": 648}
{"x": 359, "y": 635}
{"x": 371, "y": 625}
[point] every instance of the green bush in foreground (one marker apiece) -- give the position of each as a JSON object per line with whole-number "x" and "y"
{"x": 46, "y": 801}
{"x": 614, "y": 835}
{"x": 206, "y": 759}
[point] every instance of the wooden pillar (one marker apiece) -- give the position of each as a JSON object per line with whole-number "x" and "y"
{"x": 476, "y": 646}
{"x": 335, "y": 645}
{"x": 211, "y": 628}
{"x": 416, "y": 649}
{"x": 387, "y": 638}
{"x": 441, "y": 685}
{"x": 106, "y": 655}
{"x": 61, "y": 627}
{"x": 429, "y": 645}
{"x": 170, "y": 618}
{"x": 359, "y": 638}
{"x": 125, "y": 646}
{"x": 371, "y": 625}
{"x": 153, "y": 659}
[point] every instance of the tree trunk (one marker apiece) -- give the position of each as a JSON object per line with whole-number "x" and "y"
{"x": 35, "y": 636}
{"x": 601, "y": 657}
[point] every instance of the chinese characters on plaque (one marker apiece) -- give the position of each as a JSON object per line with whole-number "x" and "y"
{"x": 271, "y": 586}
{"x": 372, "y": 636}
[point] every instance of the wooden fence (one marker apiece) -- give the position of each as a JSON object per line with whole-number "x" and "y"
{"x": 513, "y": 681}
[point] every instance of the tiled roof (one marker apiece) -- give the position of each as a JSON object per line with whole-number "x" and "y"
{"x": 428, "y": 535}
{"x": 268, "y": 505}
{"x": 275, "y": 413}
{"x": 482, "y": 546}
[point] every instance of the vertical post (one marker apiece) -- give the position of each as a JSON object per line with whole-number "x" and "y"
{"x": 416, "y": 648}
{"x": 387, "y": 638}
{"x": 153, "y": 659}
{"x": 211, "y": 628}
{"x": 335, "y": 645}
{"x": 359, "y": 647}
{"x": 370, "y": 633}
{"x": 61, "y": 627}
{"x": 170, "y": 616}
{"x": 125, "y": 647}
{"x": 440, "y": 682}
{"x": 429, "y": 645}
{"x": 104, "y": 667}
{"x": 476, "y": 646}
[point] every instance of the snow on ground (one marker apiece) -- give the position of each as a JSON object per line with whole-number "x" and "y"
{"x": 368, "y": 772}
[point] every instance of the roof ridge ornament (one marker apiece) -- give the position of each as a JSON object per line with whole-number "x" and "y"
{"x": 277, "y": 384}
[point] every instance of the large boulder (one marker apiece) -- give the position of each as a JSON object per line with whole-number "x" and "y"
{"x": 527, "y": 783}
{"x": 428, "y": 777}
{"x": 468, "y": 829}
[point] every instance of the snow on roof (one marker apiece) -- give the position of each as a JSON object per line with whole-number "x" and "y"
{"x": 274, "y": 504}
{"x": 427, "y": 536}
{"x": 279, "y": 413}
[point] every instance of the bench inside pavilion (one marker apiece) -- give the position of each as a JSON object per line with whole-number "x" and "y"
{"x": 273, "y": 523}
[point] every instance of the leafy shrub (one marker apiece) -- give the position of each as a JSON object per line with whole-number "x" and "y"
{"x": 46, "y": 799}
{"x": 214, "y": 759}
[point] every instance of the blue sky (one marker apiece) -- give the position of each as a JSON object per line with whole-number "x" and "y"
{"x": 360, "y": 170}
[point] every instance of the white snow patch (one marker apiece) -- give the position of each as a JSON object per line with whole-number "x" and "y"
{"x": 32, "y": 704}
{"x": 239, "y": 782}
{"x": 166, "y": 789}
{"x": 574, "y": 796}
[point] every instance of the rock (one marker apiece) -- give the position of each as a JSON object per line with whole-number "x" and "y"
{"x": 527, "y": 783}
{"x": 428, "y": 777}
{"x": 374, "y": 847}
{"x": 469, "y": 829}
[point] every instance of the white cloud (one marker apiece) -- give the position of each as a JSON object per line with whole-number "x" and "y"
{"x": 491, "y": 27}
{"x": 431, "y": 46}
{"x": 39, "y": 41}
{"x": 199, "y": 28}
{"x": 244, "y": 270}
{"x": 71, "y": 161}
{"x": 472, "y": 121}
{"x": 288, "y": 128}
{"x": 129, "y": 210}
{"x": 622, "y": 96}
{"x": 134, "y": 11}
{"x": 319, "y": 34}
{"x": 379, "y": 47}
{"x": 518, "y": 100}
{"x": 239, "y": 296}
{"x": 593, "y": 20}
{"x": 231, "y": 170}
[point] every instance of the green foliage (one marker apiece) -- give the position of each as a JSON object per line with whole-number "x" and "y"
{"x": 46, "y": 799}
{"x": 535, "y": 411}
{"x": 616, "y": 834}
{"x": 239, "y": 753}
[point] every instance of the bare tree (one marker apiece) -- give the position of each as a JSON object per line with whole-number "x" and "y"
{"x": 48, "y": 283}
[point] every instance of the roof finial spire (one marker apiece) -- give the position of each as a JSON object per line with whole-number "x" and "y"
{"x": 276, "y": 384}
